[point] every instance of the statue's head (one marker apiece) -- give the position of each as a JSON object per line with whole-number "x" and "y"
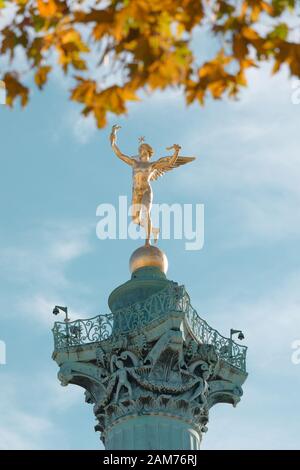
{"x": 145, "y": 152}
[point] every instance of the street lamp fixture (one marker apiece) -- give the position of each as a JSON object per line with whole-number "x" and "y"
{"x": 58, "y": 308}
{"x": 238, "y": 332}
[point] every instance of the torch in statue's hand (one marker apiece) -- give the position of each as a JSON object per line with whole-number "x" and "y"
{"x": 176, "y": 147}
{"x": 113, "y": 134}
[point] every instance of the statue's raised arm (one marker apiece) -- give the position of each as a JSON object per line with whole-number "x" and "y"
{"x": 113, "y": 141}
{"x": 164, "y": 164}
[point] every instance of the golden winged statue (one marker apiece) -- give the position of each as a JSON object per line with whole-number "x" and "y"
{"x": 143, "y": 172}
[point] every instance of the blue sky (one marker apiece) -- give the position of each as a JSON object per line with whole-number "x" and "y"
{"x": 55, "y": 170}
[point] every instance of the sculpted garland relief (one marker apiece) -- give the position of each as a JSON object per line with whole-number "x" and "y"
{"x": 169, "y": 376}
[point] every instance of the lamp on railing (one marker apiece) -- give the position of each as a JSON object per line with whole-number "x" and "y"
{"x": 241, "y": 336}
{"x": 58, "y": 308}
{"x": 239, "y": 332}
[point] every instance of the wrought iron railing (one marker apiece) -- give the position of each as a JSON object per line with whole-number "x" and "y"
{"x": 80, "y": 332}
{"x": 226, "y": 348}
{"x": 172, "y": 299}
{"x": 139, "y": 314}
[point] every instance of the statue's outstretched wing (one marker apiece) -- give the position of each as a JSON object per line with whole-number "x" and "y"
{"x": 165, "y": 164}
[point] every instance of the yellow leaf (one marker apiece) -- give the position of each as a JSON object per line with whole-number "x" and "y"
{"x": 129, "y": 94}
{"x": 249, "y": 33}
{"x": 41, "y": 75}
{"x": 255, "y": 14}
{"x": 70, "y": 35}
{"x": 15, "y": 89}
{"x": 47, "y": 8}
{"x": 276, "y": 66}
{"x": 239, "y": 47}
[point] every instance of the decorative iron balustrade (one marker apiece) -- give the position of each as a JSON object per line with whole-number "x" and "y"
{"x": 226, "y": 348}
{"x": 172, "y": 299}
{"x": 80, "y": 332}
{"x": 140, "y": 314}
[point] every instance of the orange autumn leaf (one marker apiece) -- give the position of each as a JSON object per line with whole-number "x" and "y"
{"x": 47, "y": 8}
{"x": 121, "y": 48}
{"x": 41, "y": 75}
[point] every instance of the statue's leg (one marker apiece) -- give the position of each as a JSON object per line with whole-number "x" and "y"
{"x": 136, "y": 207}
{"x": 147, "y": 223}
{"x": 149, "y": 227}
{"x": 147, "y": 204}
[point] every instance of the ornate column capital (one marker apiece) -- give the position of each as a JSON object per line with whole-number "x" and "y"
{"x": 153, "y": 364}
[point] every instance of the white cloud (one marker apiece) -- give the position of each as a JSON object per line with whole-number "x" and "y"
{"x": 37, "y": 268}
{"x": 270, "y": 321}
{"x": 82, "y": 128}
{"x": 60, "y": 398}
{"x": 19, "y": 429}
{"x": 232, "y": 429}
{"x": 29, "y": 408}
{"x": 66, "y": 250}
{"x": 267, "y": 416}
{"x": 248, "y": 161}
{"x": 43, "y": 254}
{"x": 38, "y": 307}
{"x": 7, "y": 14}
